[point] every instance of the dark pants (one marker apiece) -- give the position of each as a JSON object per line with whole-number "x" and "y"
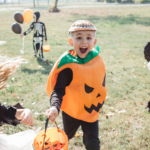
{"x": 90, "y": 131}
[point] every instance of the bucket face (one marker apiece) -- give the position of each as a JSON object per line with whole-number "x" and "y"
{"x": 55, "y": 139}
{"x": 46, "y": 48}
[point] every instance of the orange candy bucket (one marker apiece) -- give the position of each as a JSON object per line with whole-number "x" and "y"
{"x": 46, "y": 48}
{"x": 55, "y": 139}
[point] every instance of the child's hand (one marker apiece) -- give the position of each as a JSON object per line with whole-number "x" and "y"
{"x": 52, "y": 113}
{"x": 26, "y": 117}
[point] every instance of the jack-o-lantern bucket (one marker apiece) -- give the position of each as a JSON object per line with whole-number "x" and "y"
{"x": 46, "y": 48}
{"x": 55, "y": 139}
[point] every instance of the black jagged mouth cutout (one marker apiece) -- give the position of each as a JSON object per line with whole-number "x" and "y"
{"x": 93, "y": 107}
{"x": 83, "y": 50}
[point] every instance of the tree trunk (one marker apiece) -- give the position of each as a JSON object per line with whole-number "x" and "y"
{"x": 56, "y": 1}
{"x": 34, "y": 3}
{"x": 54, "y": 8}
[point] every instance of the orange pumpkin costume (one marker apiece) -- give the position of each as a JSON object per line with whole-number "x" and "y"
{"x": 87, "y": 91}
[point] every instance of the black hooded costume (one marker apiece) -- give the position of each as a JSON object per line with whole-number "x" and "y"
{"x": 39, "y": 34}
{"x": 7, "y": 114}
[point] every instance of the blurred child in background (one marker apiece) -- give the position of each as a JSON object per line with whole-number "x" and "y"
{"x": 38, "y": 35}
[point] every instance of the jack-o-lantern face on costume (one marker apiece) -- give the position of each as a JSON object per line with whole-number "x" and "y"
{"x": 89, "y": 90}
{"x": 86, "y": 93}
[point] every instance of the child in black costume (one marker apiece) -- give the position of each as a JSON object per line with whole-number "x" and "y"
{"x": 39, "y": 34}
{"x": 147, "y": 57}
{"x": 12, "y": 115}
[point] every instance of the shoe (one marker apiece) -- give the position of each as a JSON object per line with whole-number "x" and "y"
{"x": 42, "y": 59}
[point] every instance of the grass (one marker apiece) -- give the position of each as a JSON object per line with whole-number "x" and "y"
{"x": 122, "y": 34}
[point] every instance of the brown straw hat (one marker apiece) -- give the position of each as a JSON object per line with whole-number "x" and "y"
{"x": 82, "y": 25}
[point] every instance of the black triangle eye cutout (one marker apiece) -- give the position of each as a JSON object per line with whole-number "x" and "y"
{"x": 98, "y": 95}
{"x": 88, "y": 89}
{"x": 104, "y": 81}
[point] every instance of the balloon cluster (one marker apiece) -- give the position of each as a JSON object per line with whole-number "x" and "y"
{"x": 26, "y": 17}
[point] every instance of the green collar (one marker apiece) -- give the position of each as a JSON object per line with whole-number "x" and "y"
{"x": 68, "y": 58}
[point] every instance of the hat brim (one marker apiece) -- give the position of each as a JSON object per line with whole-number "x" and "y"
{"x": 85, "y": 28}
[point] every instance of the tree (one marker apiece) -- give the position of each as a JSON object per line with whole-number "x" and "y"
{"x": 54, "y": 8}
{"x": 34, "y": 3}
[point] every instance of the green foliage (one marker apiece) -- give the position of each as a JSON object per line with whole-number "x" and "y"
{"x": 111, "y": 1}
{"x": 143, "y": 1}
{"x": 41, "y": 117}
{"x": 10, "y": 89}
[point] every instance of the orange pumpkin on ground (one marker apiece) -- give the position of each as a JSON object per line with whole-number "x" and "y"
{"x": 86, "y": 93}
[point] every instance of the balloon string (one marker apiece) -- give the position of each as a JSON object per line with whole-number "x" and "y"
{"x": 22, "y": 50}
{"x": 23, "y": 44}
{"x": 23, "y": 41}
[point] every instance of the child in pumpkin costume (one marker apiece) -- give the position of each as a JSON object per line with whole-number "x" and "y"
{"x": 76, "y": 85}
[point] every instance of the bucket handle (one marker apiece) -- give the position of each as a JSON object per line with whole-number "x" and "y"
{"x": 46, "y": 125}
{"x": 56, "y": 125}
